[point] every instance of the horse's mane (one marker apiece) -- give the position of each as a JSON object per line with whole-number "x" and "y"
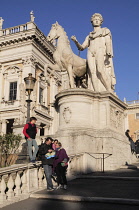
{"x": 64, "y": 33}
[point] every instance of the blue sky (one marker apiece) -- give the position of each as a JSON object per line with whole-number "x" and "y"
{"x": 120, "y": 16}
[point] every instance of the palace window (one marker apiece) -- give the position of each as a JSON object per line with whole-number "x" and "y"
{"x": 41, "y": 96}
{"x": 9, "y": 128}
{"x": 13, "y": 91}
{"x": 42, "y": 129}
{"x": 137, "y": 115}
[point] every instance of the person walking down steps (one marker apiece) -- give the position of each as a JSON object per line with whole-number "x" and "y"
{"x": 29, "y": 132}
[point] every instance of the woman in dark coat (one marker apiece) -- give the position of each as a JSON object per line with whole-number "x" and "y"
{"x": 60, "y": 166}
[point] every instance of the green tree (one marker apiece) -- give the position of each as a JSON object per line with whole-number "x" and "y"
{"x": 9, "y": 144}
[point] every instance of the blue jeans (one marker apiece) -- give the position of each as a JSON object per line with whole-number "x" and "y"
{"x": 48, "y": 174}
{"x": 31, "y": 143}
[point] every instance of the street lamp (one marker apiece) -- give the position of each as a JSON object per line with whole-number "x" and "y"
{"x": 29, "y": 82}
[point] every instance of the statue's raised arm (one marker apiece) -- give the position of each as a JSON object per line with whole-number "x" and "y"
{"x": 80, "y": 47}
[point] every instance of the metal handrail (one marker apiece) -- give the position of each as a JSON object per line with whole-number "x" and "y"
{"x": 102, "y": 158}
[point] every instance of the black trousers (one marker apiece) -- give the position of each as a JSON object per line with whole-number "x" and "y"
{"x": 61, "y": 174}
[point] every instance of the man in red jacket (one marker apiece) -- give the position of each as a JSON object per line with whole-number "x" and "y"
{"x": 29, "y": 132}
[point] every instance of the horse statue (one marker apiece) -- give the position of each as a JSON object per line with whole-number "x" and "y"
{"x": 64, "y": 56}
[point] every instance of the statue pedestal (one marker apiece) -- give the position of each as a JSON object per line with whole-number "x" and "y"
{"x": 91, "y": 124}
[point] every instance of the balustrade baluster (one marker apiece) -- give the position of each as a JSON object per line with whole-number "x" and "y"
{"x": 21, "y": 28}
{"x": 10, "y": 186}
{"x": 2, "y": 194}
{"x": 17, "y": 186}
{"x": 7, "y": 31}
{"x": 24, "y": 183}
{"x": 40, "y": 177}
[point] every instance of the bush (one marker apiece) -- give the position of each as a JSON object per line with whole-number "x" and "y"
{"x": 9, "y": 144}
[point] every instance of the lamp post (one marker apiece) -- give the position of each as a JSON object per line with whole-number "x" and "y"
{"x": 29, "y": 82}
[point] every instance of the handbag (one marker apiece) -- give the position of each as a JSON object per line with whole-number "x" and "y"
{"x": 64, "y": 163}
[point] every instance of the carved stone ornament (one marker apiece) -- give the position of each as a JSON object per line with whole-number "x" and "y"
{"x": 16, "y": 121}
{"x": 12, "y": 70}
{"x": 29, "y": 60}
{"x": 116, "y": 118}
{"x": 67, "y": 114}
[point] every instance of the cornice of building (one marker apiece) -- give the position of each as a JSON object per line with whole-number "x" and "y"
{"x": 133, "y": 106}
{"x": 43, "y": 114}
{"x": 24, "y": 35}
{"x": 9, "y": 109}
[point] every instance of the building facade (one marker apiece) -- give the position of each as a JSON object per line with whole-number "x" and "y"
{"x": 133, "y": 118}
{"x": 25, "y": 49}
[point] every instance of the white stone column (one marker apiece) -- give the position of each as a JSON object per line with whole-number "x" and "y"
{"x": 37, "y": 89}
{"x": 1, "y": 81}
{"x": 4, "y": 126}
{"x": 46, "y": 129}
{"x": 3, "y": 85}
{"x": 0, "y": 127}
{"x": 38, "y": 129}
{"x": 19, "y": 84}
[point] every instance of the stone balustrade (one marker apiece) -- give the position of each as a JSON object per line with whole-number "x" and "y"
{"x": 17, "y": 29}
{"x": 132, "y": 102}
{"x": 17, "y": 182}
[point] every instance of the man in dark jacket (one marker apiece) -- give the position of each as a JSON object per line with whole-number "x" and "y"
{"x": 29, "y": 132}
{"x": 47, "y": 163}
{"x": 132, "y": 144}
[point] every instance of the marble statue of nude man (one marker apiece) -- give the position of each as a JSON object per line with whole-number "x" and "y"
{"x": 99, "y": 56}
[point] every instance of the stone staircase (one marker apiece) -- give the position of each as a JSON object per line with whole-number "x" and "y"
{"x": 117, "y": 187}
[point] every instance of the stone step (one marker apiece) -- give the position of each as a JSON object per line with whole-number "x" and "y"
{"x": 74, "y": 198}
{"x": 129, "y": 167}
{"x": 108, "y": 177}
{"x": 99, "y": 188}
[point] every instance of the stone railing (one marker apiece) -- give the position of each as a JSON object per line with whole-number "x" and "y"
{"x": 132, "y": 102}
{"x": 17, "y": 29}
{"x": 18, "y": 181}
{"x": 14, "y": 30}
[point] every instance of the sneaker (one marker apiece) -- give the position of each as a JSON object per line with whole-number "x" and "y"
{"x": 59, "y": 187}
{"x": 54, "y": 188}
{"x": 50, "y": 189}
{"x": 65, "y": 187}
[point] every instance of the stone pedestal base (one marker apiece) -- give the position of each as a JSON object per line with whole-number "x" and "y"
{"x": 93, "y": 124}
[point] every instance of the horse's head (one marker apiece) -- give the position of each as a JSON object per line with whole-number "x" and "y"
{"x": 53, "y": 32}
